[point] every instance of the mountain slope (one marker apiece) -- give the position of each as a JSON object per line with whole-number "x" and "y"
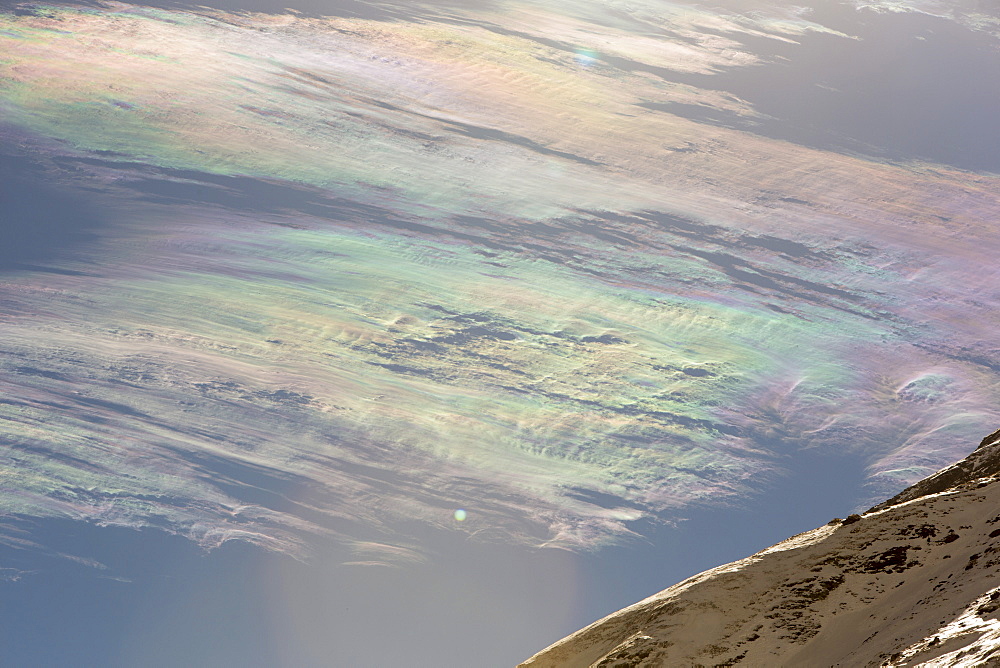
{"x": 913, "y": 581}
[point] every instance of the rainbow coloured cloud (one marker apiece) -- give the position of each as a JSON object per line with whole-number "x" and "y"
{"x": 352, "y": 273}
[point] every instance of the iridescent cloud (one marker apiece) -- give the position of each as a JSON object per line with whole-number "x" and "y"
{"x": 359, "y": 273}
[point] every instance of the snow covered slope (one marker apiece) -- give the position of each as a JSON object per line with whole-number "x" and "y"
{"x": 914, "y": 581}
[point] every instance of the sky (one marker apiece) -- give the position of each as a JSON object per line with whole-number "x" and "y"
{"x": 377, "y": 334}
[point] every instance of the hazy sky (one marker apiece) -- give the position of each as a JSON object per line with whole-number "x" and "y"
{"x": 639, "y": 288}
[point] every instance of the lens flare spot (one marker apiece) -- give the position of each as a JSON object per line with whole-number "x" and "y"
{"x": 460, "y": 515}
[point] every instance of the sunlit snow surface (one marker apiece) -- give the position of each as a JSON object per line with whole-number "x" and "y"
{"x": 338, "y": 274}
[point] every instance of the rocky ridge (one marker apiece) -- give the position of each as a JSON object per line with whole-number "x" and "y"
{"x": 913, "y": 581}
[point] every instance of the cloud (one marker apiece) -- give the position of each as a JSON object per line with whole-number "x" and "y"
{"x": 353, "y": 276}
